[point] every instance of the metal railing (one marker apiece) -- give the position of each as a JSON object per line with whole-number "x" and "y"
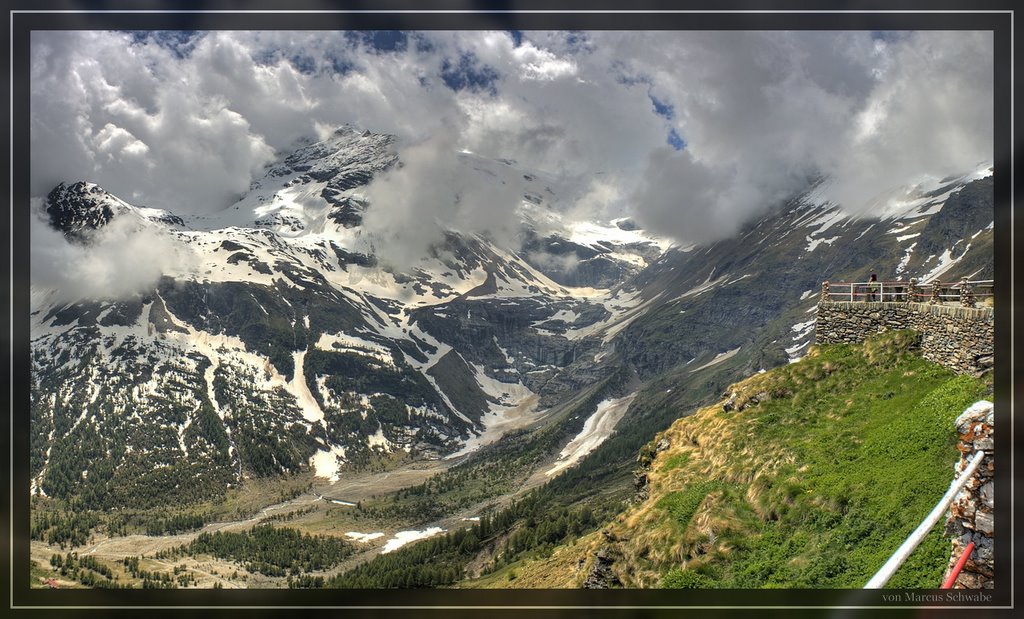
{"x": 965, "y": 292}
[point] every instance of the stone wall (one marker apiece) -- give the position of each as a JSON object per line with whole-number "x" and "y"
{"x": 970, "y": 515}
{"x": 959, "y": 338}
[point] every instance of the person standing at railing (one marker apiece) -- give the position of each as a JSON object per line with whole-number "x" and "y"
{"x": 872, "y": 287}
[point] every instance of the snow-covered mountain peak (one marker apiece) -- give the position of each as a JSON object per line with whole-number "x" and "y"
{"x": 82, "y": 207}
{"x": 311, "y": 190}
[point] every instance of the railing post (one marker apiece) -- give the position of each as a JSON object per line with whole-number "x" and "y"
{"x": 912, "y": 290}
{"x": 935, "y": 299}
{"x": 824, "y": 291}
{"x": 966, "y": 293}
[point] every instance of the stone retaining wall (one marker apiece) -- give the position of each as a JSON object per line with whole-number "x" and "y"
{"x": 970, "y": 515}
{"x": 959, "y": 338}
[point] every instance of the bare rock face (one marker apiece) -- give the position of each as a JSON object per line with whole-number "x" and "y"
{"x": 78, "y": 207}
{"x": 640, "y": 482}
{"x": 601, "y": 575}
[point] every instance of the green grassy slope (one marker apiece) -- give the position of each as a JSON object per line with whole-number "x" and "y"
{"x": 812, "y": 479}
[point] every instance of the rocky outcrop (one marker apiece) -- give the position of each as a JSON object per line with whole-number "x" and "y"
{"x": 78, "y": 208}
{"x": 970, "y": 518}
{"x": 959, "y": 338}
{"x": 641, "y": 481}
{"x": 601, "y": 575}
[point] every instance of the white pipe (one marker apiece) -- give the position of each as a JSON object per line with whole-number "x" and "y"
{"x": 896, "y": 560}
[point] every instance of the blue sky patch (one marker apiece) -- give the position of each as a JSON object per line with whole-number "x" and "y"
{"x": 380, "y": 40}
{"x": 665, "y": 110}
{"x": 469, "y": 74}
{"x": 675, "y": 141}
{"x": 302, "y": 63}
{"x": 627, "y": 76}
{"x": 578, "y": 41}
{"x": 341, "y": 66}
{"x": 180, "y": 42}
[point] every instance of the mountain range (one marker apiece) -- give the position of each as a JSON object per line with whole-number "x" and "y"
{"x": 287, "y": 345}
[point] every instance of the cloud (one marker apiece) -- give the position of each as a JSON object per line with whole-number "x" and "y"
{"x": 684, "y": 198}
{"x": 119, "y": 260}
{"x": 125, "y": 115}
{"x": 433, "y": 190}
{"x": 565, "y": 263}
{"x": 763, "y": 113}
{"x": 186, "y": 123}
{"x": 929, "y": 115}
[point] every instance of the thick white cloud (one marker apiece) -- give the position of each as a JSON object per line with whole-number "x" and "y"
{"x": 121, "y": 259}
{"x": 759, "y": 113}
{"x": 127, "y": 117}
{"x": 929, "y": 115}
{"x": 431, "y": 192}
{"x": 762, "y": 112}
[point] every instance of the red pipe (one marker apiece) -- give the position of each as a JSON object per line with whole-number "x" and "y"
{"x": 948, "y": 584}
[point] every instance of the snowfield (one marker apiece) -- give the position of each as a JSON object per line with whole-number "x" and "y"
{"x": 597, "y": 428}
{"x": 326, "y": 462}
{"x": 404, "y": 537}
{"x": 718, "y": 359}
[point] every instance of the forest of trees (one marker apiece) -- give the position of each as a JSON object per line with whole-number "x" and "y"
{"x": 156, "y": 579}
{"x": 63, "y": 528}
{"x": 529, "y": 525}
{"x": 86, "y": 569}
{"x": 269, "y": 550}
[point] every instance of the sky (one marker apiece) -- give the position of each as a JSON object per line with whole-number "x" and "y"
{"x": 691, "y": 133}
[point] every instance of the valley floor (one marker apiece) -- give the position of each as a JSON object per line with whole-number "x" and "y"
{"x": 323, "y": 508}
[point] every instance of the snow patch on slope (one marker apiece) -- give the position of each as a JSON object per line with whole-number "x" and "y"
{"x": 516, "y": 407}
{"x": 593, "y": 234}
{"x": 946, "y": 261}
{"x": 326, "y": 463}
{"x": 404, "y": 537}
{"x": 298, "y": 388}
{"x": 812, "y": 244}
{"x": 596, "y": 429}
{"x": 343, "y": 342}
{"x": 905, "y": 260}
{"x": 720, "y": 357}
{"x": 363, "y": 537}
